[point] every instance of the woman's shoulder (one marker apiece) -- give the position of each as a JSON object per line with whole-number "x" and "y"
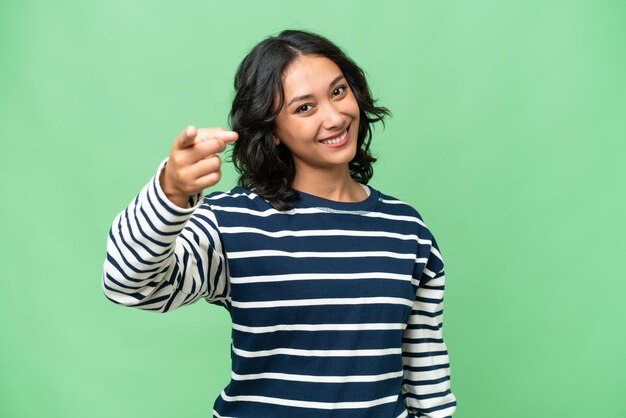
{"x": 404, "y": 211}
{"x": 397, "y": 205}
{"x": 237, "y": 197}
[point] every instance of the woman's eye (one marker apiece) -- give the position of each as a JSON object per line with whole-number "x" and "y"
{"x": 339, "y": 90}
{"x": 302, "y": 108}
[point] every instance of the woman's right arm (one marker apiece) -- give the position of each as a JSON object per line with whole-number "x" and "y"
{"x": 164, "y": 250}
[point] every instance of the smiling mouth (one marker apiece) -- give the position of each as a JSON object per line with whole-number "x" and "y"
{"x": 337, "y": 140}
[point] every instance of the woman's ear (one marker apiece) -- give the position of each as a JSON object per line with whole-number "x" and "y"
{"x": 276, "y": 139}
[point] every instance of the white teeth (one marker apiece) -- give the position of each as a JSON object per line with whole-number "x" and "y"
{"x": 336, "y": 140}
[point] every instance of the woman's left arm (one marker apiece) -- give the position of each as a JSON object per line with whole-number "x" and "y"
{"x": 426, "y": 383}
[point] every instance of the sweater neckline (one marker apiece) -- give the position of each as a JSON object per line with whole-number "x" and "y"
{"x": 309, "y": 200}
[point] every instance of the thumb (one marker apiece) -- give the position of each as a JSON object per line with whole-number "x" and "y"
{"x": 187, "y": 137}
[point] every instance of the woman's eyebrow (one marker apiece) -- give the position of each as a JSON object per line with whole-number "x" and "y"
{"x": 309, "y": 96}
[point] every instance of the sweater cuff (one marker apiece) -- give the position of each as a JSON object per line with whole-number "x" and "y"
{"x": 193, "y": 203}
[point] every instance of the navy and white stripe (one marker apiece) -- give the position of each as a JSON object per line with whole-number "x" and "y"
{"x": 336, "y": 307}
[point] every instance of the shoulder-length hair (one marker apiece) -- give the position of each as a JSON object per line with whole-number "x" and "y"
{"x": 266, "y": 168}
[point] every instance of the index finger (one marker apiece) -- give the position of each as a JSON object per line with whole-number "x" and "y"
{"x": 227, "y": 136}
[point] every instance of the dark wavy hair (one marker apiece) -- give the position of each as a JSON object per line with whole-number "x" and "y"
{"x": 266, "y": 168}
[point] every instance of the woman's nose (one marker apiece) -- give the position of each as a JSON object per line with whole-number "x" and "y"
{"x": 333, "y": 118}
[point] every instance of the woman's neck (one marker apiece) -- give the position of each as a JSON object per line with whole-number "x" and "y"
{"x": 338, "y": 185}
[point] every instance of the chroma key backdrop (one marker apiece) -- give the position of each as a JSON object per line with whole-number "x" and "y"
{"x": 508, "y": 135}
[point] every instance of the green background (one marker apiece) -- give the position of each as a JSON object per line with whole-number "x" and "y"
{"x": 508, "y": 132}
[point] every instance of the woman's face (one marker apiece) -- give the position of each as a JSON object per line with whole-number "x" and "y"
{"x": 319, "y": 121}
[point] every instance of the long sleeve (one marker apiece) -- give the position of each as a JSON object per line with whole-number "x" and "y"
{"x": 160, "y": 256}
{"x": 426, "y": 383}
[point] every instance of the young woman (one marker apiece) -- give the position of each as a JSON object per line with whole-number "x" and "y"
{"x": 335, "y": 289}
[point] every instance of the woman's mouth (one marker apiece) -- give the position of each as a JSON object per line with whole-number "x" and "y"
{"x": 338, "y": 141}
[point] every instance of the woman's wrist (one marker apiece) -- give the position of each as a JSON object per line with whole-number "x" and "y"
{"x": 175, "y": 198}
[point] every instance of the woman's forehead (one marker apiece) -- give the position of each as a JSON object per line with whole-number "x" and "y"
{"x": 307, "y": 75}
{"x": 309, "y": 72}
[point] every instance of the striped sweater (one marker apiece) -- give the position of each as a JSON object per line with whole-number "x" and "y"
{"x": 336, "y": 307}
